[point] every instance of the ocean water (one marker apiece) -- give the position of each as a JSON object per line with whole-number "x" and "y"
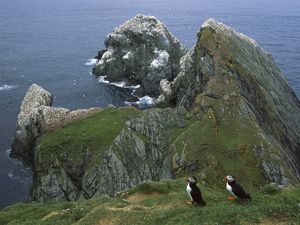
{"x": 52, "y": 43}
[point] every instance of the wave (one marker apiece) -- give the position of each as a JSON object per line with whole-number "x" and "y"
{"x": 143, "y": 102}
{"x": 7, "y": 87}
{"x": 121, "y": 84}
{"x": 91, "y": 62}
{"x": 101, "y": 79}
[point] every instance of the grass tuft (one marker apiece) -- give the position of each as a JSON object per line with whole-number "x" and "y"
{"x": 271, "y": 189}
{"x": 150, "y": 187}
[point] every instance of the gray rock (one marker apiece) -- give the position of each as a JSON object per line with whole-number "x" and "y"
{"x": 29, "y": 123}
{"x": 142, "y": 51}
{"x": 274, "y": 173}
{"x": 261, "y": 84}
{"x": 249, "y": 75}
{"x": 184, "y": 88}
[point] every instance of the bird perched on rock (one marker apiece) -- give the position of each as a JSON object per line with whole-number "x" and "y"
{"x": 235, "y": 189}
{"x": 194, "y": 192}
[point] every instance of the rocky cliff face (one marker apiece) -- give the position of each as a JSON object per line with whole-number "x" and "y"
{"x": 142, "y": 51}
{"x": 138, "y": 151}
{"x": 226, "y": 66}
{"x": 29, "y": 124}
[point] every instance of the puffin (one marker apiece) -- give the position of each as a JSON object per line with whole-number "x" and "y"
{"x": 194, "y": 192}
{"x": 235, "y": 189}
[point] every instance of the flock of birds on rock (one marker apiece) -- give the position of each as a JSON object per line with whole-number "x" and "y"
{"x": 236, "y": 190}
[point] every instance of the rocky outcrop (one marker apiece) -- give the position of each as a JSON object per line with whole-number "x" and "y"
{"x": 29, "y": 125}
{"x": 141, "y": 51}
{"x": 140, "y": 152}
{"x": 226, "y": 66}
{"x": 36, "y": 116}
{"x": 184, "y": 88}
{"x": 261, "y": 84}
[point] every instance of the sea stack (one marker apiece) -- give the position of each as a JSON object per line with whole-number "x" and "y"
{"x": 140, "y": 51}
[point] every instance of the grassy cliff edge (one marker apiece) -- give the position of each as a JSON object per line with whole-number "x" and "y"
{"x": 163, "y": 202}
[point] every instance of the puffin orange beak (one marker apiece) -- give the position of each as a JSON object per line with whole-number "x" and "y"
{"x": 225, "y": 179}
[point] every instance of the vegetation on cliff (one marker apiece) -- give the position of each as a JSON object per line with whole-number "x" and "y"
{"x": 118, "y": 148}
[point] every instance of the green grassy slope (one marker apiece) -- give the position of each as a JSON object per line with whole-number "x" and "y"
{"x": 93, "y": 134}
{"x": 163, "y": 202}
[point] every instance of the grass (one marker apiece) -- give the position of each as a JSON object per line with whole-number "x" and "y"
{"x": 163, "y": 202}
{"x": 217, "y": 149}
{"x": 90, "y": 136}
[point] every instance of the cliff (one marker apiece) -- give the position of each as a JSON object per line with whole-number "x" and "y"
{"x": 105, "y": 153}
{"x": 229, "y": 75}
{"x": 225, "y": 108}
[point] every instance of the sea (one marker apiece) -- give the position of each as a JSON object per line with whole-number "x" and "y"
{"x": 53, "y": 42}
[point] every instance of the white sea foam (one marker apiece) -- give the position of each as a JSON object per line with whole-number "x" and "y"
{"x": 121, "y": 84}
{"x": 8, "y": 151}
{"x": 6, "y": 87}
{"x": 10, "y": 174}
{"x": 91, "y": 62}
{"x": 101, "y": 79}
{"x": 143, "y": 102}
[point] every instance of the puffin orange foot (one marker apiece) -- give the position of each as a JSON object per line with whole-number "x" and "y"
{"x": 230, "y": 198}
{"x": 190, "y": 203}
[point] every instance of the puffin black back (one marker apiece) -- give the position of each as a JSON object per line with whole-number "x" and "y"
{"x": 194, "y": 192}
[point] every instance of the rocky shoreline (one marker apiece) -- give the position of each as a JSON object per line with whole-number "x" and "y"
{"x": 222, "y": 107}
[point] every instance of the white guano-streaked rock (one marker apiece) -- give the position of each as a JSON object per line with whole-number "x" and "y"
{"x": 141, "y": 51}
{"x": 223, "y": 29}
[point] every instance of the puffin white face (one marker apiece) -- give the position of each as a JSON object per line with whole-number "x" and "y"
{"x": 192, "y": 180}
{"x": 229, "y": 178}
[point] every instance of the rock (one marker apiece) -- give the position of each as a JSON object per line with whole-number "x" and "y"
{"x": 261, "y": 85}
{"x": 100, "y": 54}
{"x": 274, "y": 173}
{"x": 35, "y": 117}
{"x": 184, "y": 88}
{"x": 228, "y": 65}
{"x": 29, "y": 123}
{"x": 142, "y": 51}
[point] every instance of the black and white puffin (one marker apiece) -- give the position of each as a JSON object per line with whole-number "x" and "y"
{"x": 194, "y": 192}
{"x": 235, "y": 189}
